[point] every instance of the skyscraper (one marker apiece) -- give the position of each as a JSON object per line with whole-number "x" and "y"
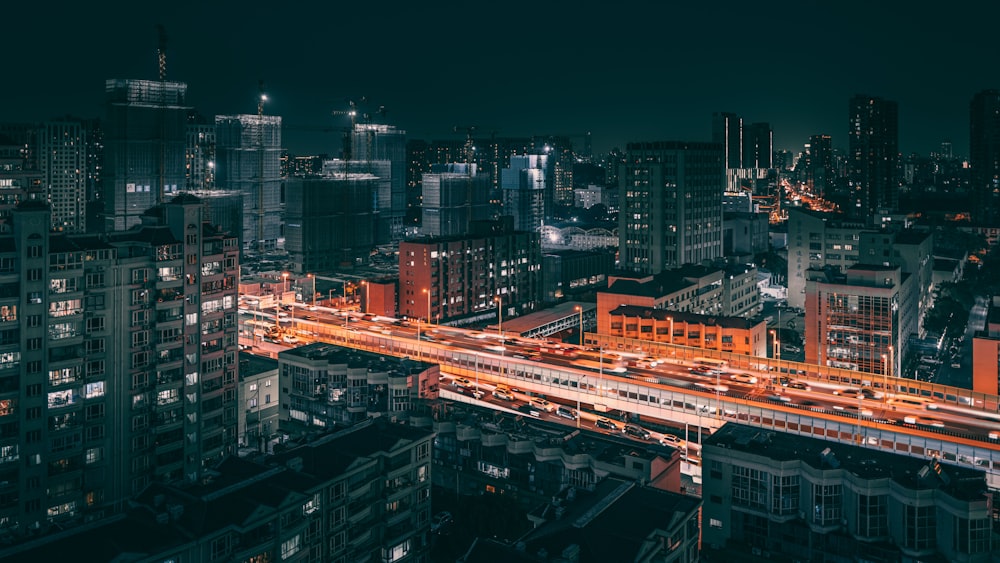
{"x": 984, "y": 154}
{"x": 62, "y": 158}
{"x": 524, "y": 184}
{"x": 145, "y": 137}
{"x": 248, "y": 149}
{"x": 758, "y": 146}
{"x": 671, "y": 205}
{"x": 873, "y": 141}
{"x": 727, "y": 130}
{"x": 819, "y": 170}
{"x": 454, "y": 196}
{"x": 375, "y": 142}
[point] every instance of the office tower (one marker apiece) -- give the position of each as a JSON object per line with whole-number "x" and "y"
{"x": 144, "y": 140}
{"x": 781, "y": 496}
{"x": 671, "y": 205}
{"x": 525, "y": 184}
{"x": 329, "y": 222}
{"x": 873, "y": 140}
{"x": 466, "y": 275}
{"x": 984, "y": 155}
{"x": 117, "y": 364}
{"x": 758, "y": 146}
{"x": 199, "y": 154}
{"x": 62, "y": 159}
{"x": 727, "y": 130}
{"x": 857, "y": 320}
{"x": 819, "y": 170}
{"x": 248, "y": 151}
{"x": 374, "y": 142}
{"x": 454, "y": 196}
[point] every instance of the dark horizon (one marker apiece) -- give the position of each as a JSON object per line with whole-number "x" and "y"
{"x": 640, "y": 72}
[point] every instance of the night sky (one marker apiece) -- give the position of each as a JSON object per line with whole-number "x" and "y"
{"x": 624, "y": 70}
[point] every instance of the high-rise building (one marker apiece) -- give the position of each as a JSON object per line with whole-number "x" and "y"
{"x": 199, "y": 156}
{"x": 62, "y": 159}
{"x": 145, "y": 136}
{"x": 873, "y": 139}
{"x": 248, "y": 154}
{"x": 454, "y": 196}
{"x": 375, "y": 142}
{"x": 671, "y": 205}
{"x": 525, "y": 184}
{"x": 819, "y": 173}
{"x": 18, "y": 181}
{"x": 758, "y": 146}
{"x": 117, "y": 362}
{"x": 727, "y": 130}
{"x": 984, "y": 155}
{"x": 329, "y": 221}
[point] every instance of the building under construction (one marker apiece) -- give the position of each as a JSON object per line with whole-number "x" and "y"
{"x": 372, "y": 143}
{"x": 144, "y": 144}
{"x": 248, "y": 149}
{"x": 454, "y": 196}
{"x": 329, "y": 221}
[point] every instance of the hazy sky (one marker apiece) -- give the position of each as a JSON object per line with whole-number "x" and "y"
{"x": 625, "y": 70}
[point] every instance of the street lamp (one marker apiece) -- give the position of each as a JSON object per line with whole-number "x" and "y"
{"x": 285, "y": 285}
{"x": 671, "y": 319}
{"x": 313, "y": 286}
{"x": 365, "y": 284}
{"x": 499, "y": 302}
{"x": 428, "y": 292}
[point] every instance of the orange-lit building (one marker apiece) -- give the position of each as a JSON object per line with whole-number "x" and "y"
{"x": 727, "y": 334}
{"x": 691, "y": 289}
{"x": 986, "y": 353}
{"x": 378, "y": 296}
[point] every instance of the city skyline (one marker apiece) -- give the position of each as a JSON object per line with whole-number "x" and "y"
{"x": 639, "y": 72}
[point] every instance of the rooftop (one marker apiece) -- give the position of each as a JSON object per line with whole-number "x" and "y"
{"x": 680, "y": 317}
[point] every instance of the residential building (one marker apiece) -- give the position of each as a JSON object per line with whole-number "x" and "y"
{"x": 692, "y": 289}
{"x": 986, "y": 353}
{"x": 671, "y": 205}
{"x": 199, "y": 157}
{"x": 736, "y": 335}
{"x": 330, "y": 386}
{"x": 259, "y": 396}
{"x": 454, "y": 196}
{"x": 820, "y": 174}
{"x": 984, "y": 156}
{"x": 873, "y": 139}
{"x": 452, "y": 278}
{"x": 18, "y": 181}
{"x": 248, "y": 153}
{"x": 860, "y": 320}
{"x": 817, "y": 240}
{"x": 145, "y": 136}
{"x": 779, "y": 496}
{"x": 745, "y": 234}
{"x": 329, "y": 222}
{"x": 62, "y": 159}
{"x": 379, "y": 296}
{"x": 572, "y": 272}
{"x": 361, "y": 494}
{"x": 740, "y": 291}
{"x": 525, "y": 184}
{"x": 579, "y": 236}
{"x": 118, "y": 349}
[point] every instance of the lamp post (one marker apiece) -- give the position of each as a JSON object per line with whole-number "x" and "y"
{"x": 329, "y": 297}
{"x": 499, "y": 301}
{"x": 313, "y": 287}
{"x": 428, "y": 292}
{"x": 365, "y": 284}
{"x": 671, "y": 319}
{"x": 284, "y": 275}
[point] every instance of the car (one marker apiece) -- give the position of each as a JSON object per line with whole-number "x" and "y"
{"x": 636, "y": 431}
{"x": 743, "y": 378}
{"x": 290, "y": 339}
{"x": 799, "y": 385}
{"x": 441, "y": 521}
{"x": 462, "y": 382}
{"x": 956, "y": 365}
{"x": 869, "y": 393}
{"x": 670, "y": 440}
{"x": 606, "y": 424}
{"x": 567, "y": 412}
{"x": 529, "y": 410}
{"x": 476, "y": 393}
{"x": 503, "y": 394}
{"x": 541, "y": 403}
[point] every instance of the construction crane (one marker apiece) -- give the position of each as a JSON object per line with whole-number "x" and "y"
{"x": 352, "y": 112}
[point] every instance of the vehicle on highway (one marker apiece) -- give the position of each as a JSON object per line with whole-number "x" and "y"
{"x": 567, "y": 412}
{"x": 475, "y": 392}
{"x": 743, "y": 378}
{"x": 670, "y": 440}
{"x": 462, "y": 382}
{"x": 529, "y": 410}
{"x": 541, "y": 403}
{"x": 503, "y": 393}
{"x": 799, "y": 385}
{"x": 715, "y": 365}
{"x": 290, "y": 339}
{"x": 716, "y": 388}
{"x": 606, "y": 424}
{"x": 869, "y": 393}
{"x": 636, "y": 431}
{"x": 854, "y": 410}
{"x": 913, "y": 402}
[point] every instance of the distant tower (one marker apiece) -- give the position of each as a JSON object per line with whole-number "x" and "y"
{"x": 454, "y": 195}
{"x": 873, "y": 140}
{"x": 248, "y": 153}
{"x": 524, "y": 184}
{"x": 671, "y": 210}
{"x": 820, "y": 167}
{"x": 984, "y": 154}
{"x": 758, "y": 146}
{"x": 62, "y": 158}
{"x": 727, "y": 130}
{"x": 376, "y": 142}
{"x": 144, "y": 141}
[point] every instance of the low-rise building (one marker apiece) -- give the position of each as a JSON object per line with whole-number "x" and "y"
{"x": 736, "y": 335}
{"x": 259, "y": 396}
{"x": 786, "y": 496}
{"x": 691, "y": 289}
